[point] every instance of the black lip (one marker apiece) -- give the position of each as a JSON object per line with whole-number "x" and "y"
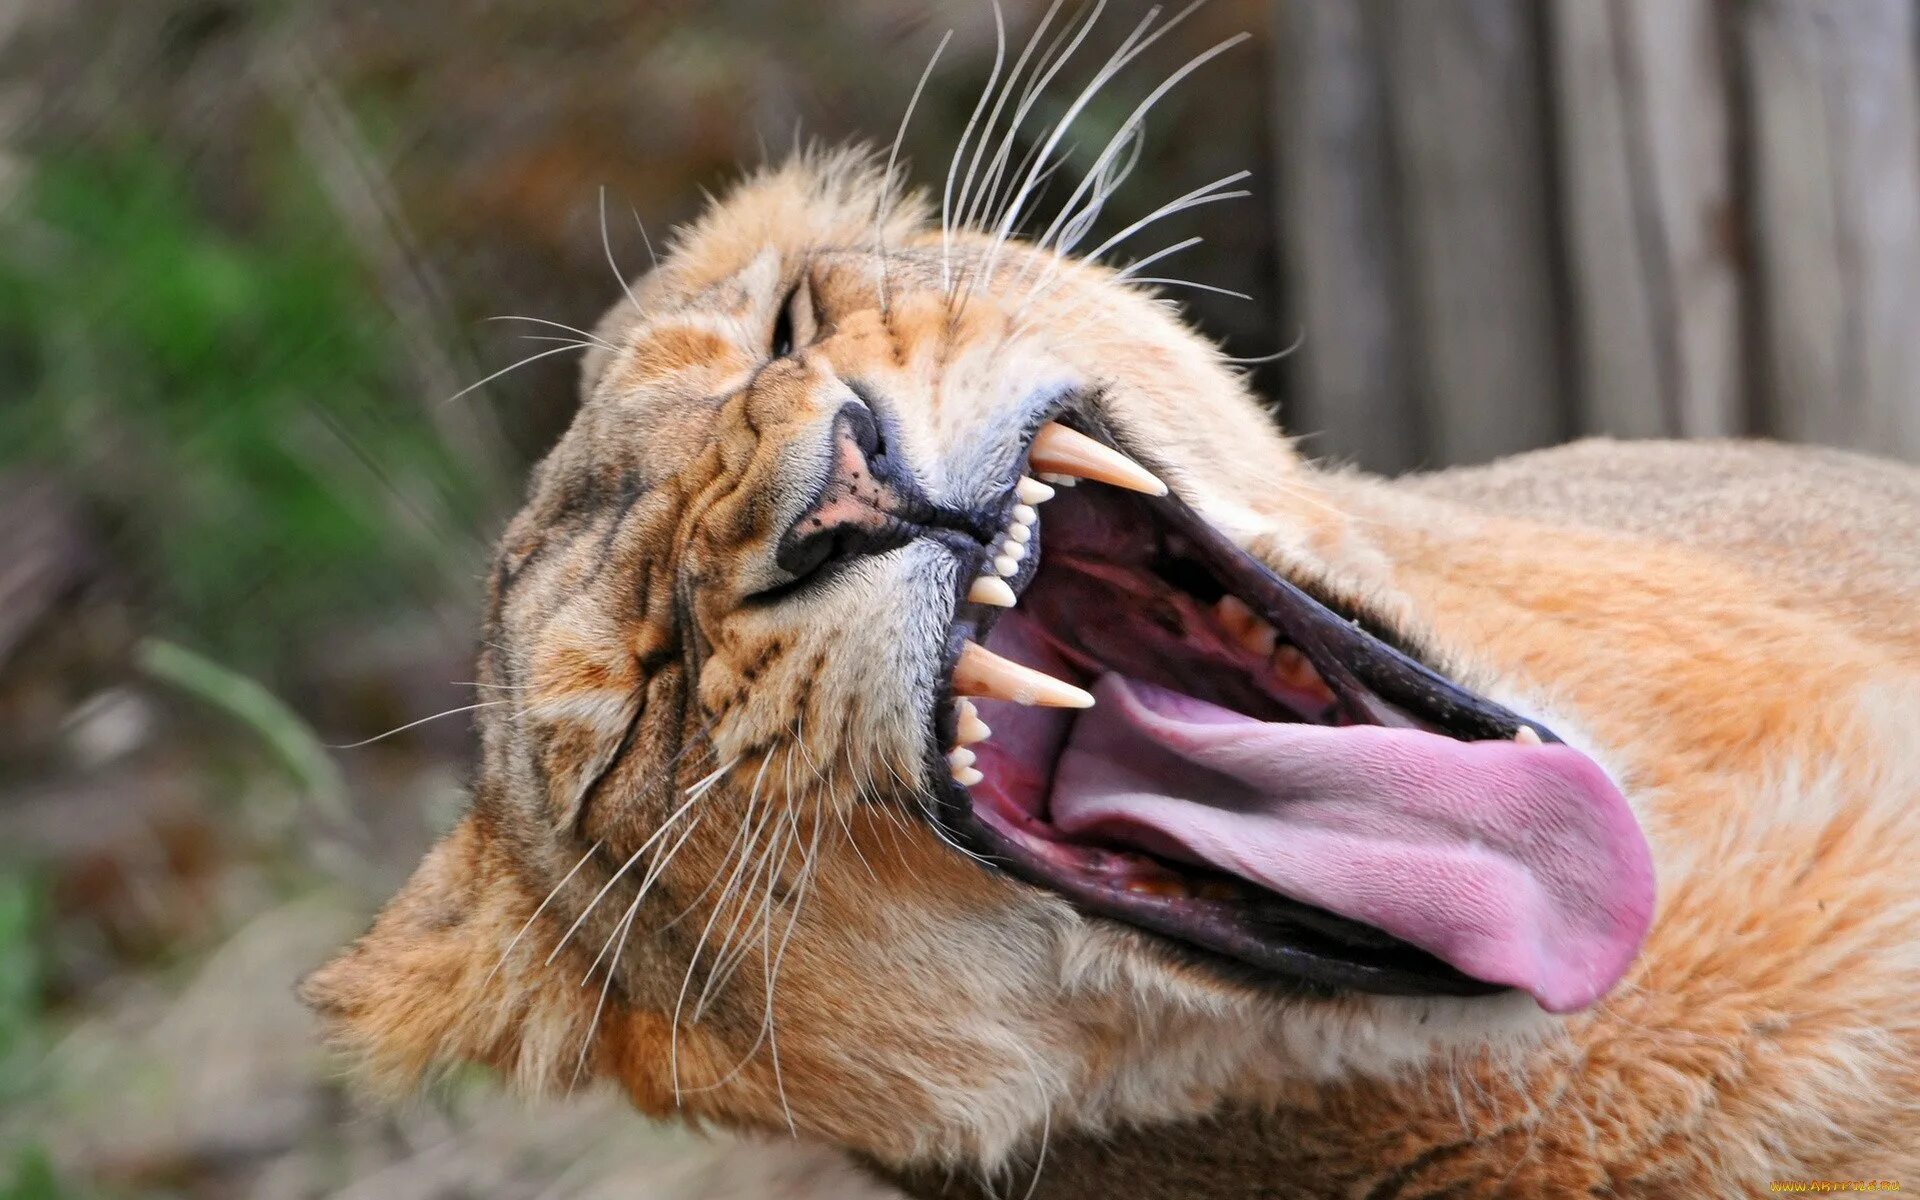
{"x": 1271, "y": 940}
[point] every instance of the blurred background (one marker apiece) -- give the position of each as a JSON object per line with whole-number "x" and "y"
{"x": 253, "y": 253}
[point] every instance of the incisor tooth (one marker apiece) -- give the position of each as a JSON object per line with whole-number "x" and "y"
{"x": 1058, "y": 450}
{"x": 1527, "y": 735}
{"x": 960, "y": 756}
{"x": 968, "y": 728}
{"x": 967, "y": 776}
{"x": 1058, "y": 480}
{"x": 1013, "y": 550}
{"x": 1006, "y": 566}
{"x": 991, "y": 589}
{"x": 1025, "y": 514}
{"x": 981, "y": 672}
{"x": 1031, "y": 491}
{"x": 1020, "y": 533}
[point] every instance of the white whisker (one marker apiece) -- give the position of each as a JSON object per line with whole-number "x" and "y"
{"x": 1134, "y": 119}
{"x": 694, "y": 795}
{"x": 531, "y": 358}
{"x": 606, "y": 244}
{"x": 557, "y": 325}
{"x": 515, "y": 941}
{"x": 1188, "y": 283}
{"x": 889, "y": 189}
{"x": 1204, "y": 194}
{"x": 451, "y": 712}
{"x": 960, "y": 147}
{"x": 644, "y": 239}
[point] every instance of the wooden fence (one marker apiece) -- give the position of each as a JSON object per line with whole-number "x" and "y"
{"x": 1507, "y": 222}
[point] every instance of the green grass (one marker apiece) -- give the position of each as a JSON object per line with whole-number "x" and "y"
{"x": 226, "y": 390}
{"x": 25, "y": 1171}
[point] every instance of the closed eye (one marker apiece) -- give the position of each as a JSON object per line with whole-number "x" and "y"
{"x": 783, "y": 325}
{"x": 797, "y": 323}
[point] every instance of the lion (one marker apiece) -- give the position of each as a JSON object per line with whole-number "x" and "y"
{"x": 944, "y": 719}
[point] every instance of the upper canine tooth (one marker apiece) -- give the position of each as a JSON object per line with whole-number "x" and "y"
{"x": 1031, "y": 491}
{"x": 1527, "y": 735}
{"x": 981, "y": 672}
{"x": 991, "y": 589}
{"x": 1061, "y": 451}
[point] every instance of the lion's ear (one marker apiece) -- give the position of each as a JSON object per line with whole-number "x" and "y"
{"x": 426, "y": 986}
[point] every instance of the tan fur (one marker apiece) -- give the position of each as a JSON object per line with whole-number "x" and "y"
{"x": 1729, "y": 629}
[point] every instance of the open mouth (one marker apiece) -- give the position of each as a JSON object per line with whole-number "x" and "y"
{"x": 1152, "y": 723}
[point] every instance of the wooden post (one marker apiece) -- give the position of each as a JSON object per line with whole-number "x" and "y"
{"x": 1339, "y": 223}
{"x": 1468, "y": 111}
{"x": 1646, "y": 174}
{"x": 1836, "y": 193}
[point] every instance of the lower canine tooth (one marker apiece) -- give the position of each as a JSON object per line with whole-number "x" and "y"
{"x": 981, "y": 672}
{"x": 991, "y": 589}
{"x": 1527, "y": 735}
{"x": 1058, "y": 450}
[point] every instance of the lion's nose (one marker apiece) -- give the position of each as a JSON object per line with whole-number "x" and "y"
{"x": 868, "y": 504}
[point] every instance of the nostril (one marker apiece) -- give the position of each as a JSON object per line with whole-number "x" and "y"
{"x": 866, "y": 505}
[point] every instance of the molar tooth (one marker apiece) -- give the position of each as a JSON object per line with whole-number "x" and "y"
{"x": 1234, "y": 614}
{"x": 1154, "y": 885}
{"x": 981, "y": 672}
{"x": 1058, "y": 450}
{"x": 1260, "y": 638}
{"x": 959, "y": 757}
{"x": 968, "y": 728}
{"x": 1020, "y": 533}
{"x": 1031, "y": 491}
{"x": 967, "y": 776}
{"x": 1025, "y": 514}
{"x": 1006, "y": 566}
{"x": 1527, "y": 735}
{"x": 1291, "y": 667}
{"x": 991, "y": 589}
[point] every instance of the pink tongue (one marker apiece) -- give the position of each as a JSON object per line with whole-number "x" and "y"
{"x": 1518, "y": 865}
